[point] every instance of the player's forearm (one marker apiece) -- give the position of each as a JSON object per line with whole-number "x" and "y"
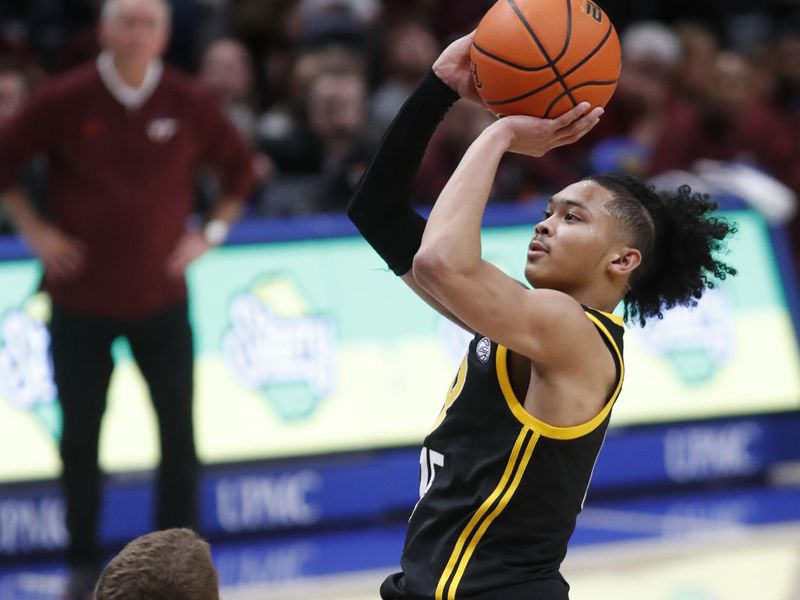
{"x": 452, "y": 239}
{"x": 388, "y": 179}
{"x": 381, "y": 206}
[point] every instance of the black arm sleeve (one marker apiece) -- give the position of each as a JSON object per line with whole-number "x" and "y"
{"x": 381, "y": 208}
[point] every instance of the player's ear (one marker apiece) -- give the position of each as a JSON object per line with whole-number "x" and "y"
{"x": 624, "y": 261}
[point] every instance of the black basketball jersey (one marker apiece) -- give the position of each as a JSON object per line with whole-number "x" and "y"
{"x": 499, "y": 489}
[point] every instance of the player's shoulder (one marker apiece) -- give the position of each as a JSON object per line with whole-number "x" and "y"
{"x": 557, "y": 305}
{"x": 560, "y": 319}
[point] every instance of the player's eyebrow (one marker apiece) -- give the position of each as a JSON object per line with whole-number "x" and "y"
{"x": 568, "y": 202}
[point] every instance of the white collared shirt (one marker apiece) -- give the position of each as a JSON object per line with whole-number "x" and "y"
{"x": 130, "y": 97}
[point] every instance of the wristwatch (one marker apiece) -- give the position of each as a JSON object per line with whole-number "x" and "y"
{"x": 216, "y": 232}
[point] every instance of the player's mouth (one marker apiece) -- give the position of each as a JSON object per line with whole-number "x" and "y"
{"x": 537, "y": 248}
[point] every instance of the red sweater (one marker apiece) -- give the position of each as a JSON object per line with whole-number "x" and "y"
{"x": 122, "y": 181}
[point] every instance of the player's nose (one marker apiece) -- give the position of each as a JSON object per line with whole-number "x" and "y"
{"x": 542, "y": 228}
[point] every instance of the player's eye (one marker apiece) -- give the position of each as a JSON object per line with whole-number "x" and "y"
{"x": 546, "y": 214}
{"x": 571, "y": 217}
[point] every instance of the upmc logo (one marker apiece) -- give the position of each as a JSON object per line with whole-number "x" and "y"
{"x": 591, "y": 9}
{"x": 702, "y": 453}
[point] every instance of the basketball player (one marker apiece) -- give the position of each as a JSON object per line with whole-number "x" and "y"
{"x": 507, "y": 465}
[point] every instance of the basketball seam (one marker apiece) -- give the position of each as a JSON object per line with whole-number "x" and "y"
{"x": 592, "y": 53}
{"x": 568, "y": 36}
{"x": 508, "y": 62}
{"x": 523, "y": 96}
{"x": 538, "y": 43}
{"x": 567, "y": 74}
{"x": 580, "y": 85}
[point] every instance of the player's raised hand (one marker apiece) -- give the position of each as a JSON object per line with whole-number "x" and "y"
{"x": 453, "y": 67}
{"x": 535, "y": 137}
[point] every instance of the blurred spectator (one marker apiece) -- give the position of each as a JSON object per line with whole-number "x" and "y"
{"x": 447, "y": 18}
{"x": 732, "y": 122}
{"x": 124, "y": 136}
{"x": 281, "y": 130}
{"x": 345, "y": 22}
{"x": 319, "y": 138}
{"x": 787, "y": 69}
{"x": 666, "y": 79}
{"x": 637, "y": 114}
{"x": 462, "y": 124}
{"x": 337, "y": 117}
{"x": 272, "y": 31}
{"x": 786, "y": 100}
{"x": 700, "y": 47}
{"x": 409, "y": 50}
{"x": 226, "y": 68}
{"x": 13, "y": 90}
{"x": 174, "y": 564}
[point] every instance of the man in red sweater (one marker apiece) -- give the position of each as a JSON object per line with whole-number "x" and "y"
{"x": 123, "y": 137}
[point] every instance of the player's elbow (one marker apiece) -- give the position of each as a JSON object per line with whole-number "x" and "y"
{"x": 430, "y": 268}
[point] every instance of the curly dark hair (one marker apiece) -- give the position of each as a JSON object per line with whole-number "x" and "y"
{"x": 679, "y": 241}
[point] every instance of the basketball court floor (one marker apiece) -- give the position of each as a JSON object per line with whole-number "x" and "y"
{"x": 732, "y": 544}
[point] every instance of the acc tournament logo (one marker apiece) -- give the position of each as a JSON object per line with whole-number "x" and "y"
{"x": 483, "y": 349}
{"x": 696, "y": 341}
{"x": 274, "y": 346}
{"x": 26, "y": 371}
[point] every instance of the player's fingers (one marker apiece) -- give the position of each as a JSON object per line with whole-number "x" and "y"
{"x": 580, "y": 127}
{"x": 571, "y": 116}
{"x": 573, "y": 137}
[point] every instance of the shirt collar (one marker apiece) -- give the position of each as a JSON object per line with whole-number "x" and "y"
{"x": 130, "y": 97}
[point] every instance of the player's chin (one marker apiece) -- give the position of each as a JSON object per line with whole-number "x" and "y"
{"x": 541, "y": 276}
{"x": 534, "y": 275}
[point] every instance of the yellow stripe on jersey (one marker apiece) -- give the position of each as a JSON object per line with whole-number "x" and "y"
{"x": 545, "y": 429}
{"x": 453, "y": 392}
{"x": 520, "y": 471}
{"x": 509, "y": 471}
{"x": 610, "y": 316}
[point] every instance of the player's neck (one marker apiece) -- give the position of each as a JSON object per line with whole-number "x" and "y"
{"x": 604, "y": 300}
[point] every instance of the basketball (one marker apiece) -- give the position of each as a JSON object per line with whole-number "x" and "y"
{"x": 543, "y": 57}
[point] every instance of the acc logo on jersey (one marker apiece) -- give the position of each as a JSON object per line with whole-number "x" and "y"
{"x": 483, "y": 349}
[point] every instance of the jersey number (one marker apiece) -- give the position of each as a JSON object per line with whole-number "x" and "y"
{"x": 454, "y": 392}
{"x": 428, "y": 461}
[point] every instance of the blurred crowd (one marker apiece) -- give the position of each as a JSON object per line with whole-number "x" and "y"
{"x": 313, "y": 84}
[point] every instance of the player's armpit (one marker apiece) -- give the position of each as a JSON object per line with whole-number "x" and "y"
{"x": 409, "y": 280}
{"x": 543, "y": 325}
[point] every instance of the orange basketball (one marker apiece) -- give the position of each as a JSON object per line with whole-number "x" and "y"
{"x": 542, "y": 57}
